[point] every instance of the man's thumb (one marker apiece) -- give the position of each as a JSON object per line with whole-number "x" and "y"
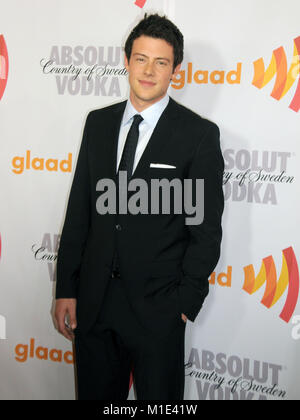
{"x": 73, "y": 322}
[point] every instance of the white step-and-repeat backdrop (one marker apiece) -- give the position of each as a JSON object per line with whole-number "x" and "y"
{"x": 61, "y": 59}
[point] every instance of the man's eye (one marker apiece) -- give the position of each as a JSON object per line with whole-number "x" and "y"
{"x": 162, "y": 63}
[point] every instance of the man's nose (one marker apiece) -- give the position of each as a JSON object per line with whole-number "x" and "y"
{"x": 149, "y": 68}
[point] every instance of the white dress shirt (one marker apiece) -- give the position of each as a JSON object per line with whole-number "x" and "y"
{"x": 150, "y": 116}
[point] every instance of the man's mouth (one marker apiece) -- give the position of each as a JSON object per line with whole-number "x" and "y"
{"x": 146, "y": 83}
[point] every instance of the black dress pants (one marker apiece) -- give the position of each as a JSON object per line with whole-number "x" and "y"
{"x": 118, "y": 344}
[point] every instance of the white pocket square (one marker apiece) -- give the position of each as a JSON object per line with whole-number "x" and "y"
{"x": 161, "y": 165}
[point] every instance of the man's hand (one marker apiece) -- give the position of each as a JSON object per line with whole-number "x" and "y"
{"x": 65, "y": 316}
{"x": 183, "y": 317}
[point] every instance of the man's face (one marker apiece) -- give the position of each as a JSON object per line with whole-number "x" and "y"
{"x": 150, "y": 70}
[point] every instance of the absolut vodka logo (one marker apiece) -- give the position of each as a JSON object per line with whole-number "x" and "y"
{"x": 219, "y": 376}
{"x": 84, "y": 70}
{"x": 254, "y": 176}
{"x": 46, "y": 252}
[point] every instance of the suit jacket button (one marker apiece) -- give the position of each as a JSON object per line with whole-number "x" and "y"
{"x": 118, "y": 227}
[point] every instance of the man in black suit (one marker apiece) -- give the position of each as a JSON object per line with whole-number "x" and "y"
{"x": 128, "y": 282}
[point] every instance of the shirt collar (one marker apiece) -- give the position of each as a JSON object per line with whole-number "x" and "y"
{"x": 150, "y": 115}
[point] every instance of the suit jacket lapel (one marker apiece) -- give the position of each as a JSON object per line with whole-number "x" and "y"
{"x": 116, "y": 116}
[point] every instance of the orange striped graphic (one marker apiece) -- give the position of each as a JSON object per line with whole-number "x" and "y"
{"x": 289, "y": 278}
{"x": 284, "y": 78}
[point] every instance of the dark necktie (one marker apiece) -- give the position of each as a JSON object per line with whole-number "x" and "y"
{"x": 127, "y": 160}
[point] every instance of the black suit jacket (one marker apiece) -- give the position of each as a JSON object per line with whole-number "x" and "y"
{"x": 164, "y": 263}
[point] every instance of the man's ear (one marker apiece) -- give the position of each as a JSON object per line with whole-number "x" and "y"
{"x": 126, "y": 62}
{"x": 176, "y": 71}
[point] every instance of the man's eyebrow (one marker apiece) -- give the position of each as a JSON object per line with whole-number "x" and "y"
{"x": 157, "y": 58}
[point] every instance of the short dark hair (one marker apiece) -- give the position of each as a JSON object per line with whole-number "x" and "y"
{"x": 160, "y": 27}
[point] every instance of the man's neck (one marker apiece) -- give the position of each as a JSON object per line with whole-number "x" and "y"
{"x": 141, "y": 105}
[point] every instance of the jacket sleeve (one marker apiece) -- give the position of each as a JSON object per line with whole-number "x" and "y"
{"x": 76, "y": 225}
{"x": 203, "y": 251}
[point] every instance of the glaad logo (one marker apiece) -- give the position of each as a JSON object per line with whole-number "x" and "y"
{"x": 223, "y": 279}
{"x": 20, "y": 163}
{"x": 23, "y": 351}
{"x": 3, "y": 66}
{"x": 204, "y": 77}
{"x": 289, "y": 277}
{"x": 284, "y": 78}
{"x": 140, "y": 3}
